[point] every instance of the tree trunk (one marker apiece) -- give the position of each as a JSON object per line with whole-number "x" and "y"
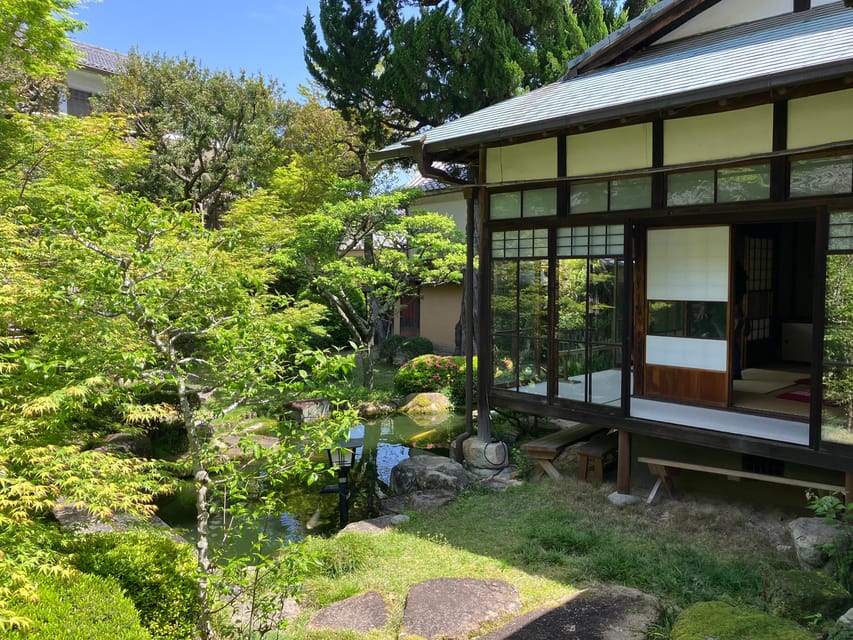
{"x": 367, "y": 365}
{"x": 195, "y": 436}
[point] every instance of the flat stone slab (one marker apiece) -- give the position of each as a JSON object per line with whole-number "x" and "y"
{"x": 362, "y": 613}
{"x": 453, "y": 608}
{"x": 600, "y": 613}
{"x": 375, "y": 525}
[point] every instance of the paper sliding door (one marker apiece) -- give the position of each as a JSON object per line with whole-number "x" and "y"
{"x": 687, "y": 293}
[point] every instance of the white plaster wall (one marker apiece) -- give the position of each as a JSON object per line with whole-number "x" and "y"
{"x": 731, "y": 12}
{"x": 618, "y": 149}
{"x": 717, "y": 136}
{"x": 84, "y": 80}
{"x": 526, "y": 161}
{"x": 690, "y": 353}
{"x": 690, "y": 263}
{"x": 452, "y": 205}
{"x": 820, "y": 119}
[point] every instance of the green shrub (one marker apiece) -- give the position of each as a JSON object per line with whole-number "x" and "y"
{"x": 840, "y": 631}
{"x": 840, "y": 550}
{"x": 84, "y": 607}
{"x": 338, "y": 556}
{"x": 404, "y": 347}
{"x": 158, "y": 574}
{"x": 429, "y": 373}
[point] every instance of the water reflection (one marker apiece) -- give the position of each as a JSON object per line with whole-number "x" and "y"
{"x": 311, "y": 511}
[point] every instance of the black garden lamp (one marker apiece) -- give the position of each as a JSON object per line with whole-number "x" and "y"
{"x": 342, "y": 458}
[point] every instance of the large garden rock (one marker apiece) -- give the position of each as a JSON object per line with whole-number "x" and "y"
{"x": 362, "y": 614}
{"x": 796, "y": 595}
{"x": 425, "y": 403}
{"x": 810, "y": 534}
{"x": 79, "y": 520}
{"x": 132, "y": 444}
{"x": 311, "y": 410}
{"x": 454, "y": 608}
{"x": 603, "y": 613}
{"x": 427, "y": 473}
{"x": 722, "y": 621}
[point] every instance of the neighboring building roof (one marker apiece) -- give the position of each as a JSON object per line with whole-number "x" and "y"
{"x": 425, "y": 184}
{"x": 98, "y": 59}
{"x": 762, "y": 55}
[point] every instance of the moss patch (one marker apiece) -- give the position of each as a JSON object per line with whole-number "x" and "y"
{"x": 798, "y": 595}
{"x": 722, "y": 621}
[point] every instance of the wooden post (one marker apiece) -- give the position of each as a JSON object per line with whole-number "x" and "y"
{"x": 623, "y": 471}
{"x": 848, "y": 487}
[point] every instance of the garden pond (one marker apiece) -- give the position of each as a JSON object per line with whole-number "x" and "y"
{"x": 313, "y": 509}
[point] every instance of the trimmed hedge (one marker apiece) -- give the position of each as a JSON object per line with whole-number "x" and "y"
{"x": 429, "y": 373}
{"x": 405, "y": 347}
{"x": 85, "y": 607}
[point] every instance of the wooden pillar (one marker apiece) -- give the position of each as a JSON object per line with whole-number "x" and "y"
{"x": 848, "y": 487}
{"x": 623, "y": 471}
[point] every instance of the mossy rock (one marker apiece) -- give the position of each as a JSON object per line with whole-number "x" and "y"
{"x": 722, "y": 621}
{"x": 798, "y": 595}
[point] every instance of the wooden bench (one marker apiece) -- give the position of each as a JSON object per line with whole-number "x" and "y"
{"x": 596, "y": 452}
{"x": 662, "y": 469}
{"x": 545, "y": 450}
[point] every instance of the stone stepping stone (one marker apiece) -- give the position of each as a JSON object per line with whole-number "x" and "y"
{"x": 453, "y": 608}
{"x": 600, "y": 613}
{"x": 361, "y": 613}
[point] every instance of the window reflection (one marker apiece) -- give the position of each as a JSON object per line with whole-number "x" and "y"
{"x": 837, "y": 414}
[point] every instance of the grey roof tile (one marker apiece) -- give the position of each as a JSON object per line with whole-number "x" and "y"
{"x": 99, "y": 59}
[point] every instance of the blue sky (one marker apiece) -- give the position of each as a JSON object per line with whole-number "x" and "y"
{"x": 260, "y": 36}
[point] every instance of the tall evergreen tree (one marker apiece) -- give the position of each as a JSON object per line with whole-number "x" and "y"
{"x": 407, "y": 64}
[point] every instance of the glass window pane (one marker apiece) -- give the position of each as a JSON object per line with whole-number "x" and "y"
{"x": 821, "y": 176}
{"x": 739, "y": 184}
{"x": 666, "y": 318}
{"x": 571, "y": 376}
{"x": 630, "y": 193}
{"x": 604, "y": 324}
{"x": 588, "y": 197}
{"x": 615, "y": 240}
{"x": 707, "y": 320}
{"x": 605, "y": 379}
{"x": 695, "y": 187}
{"x": 533, "y": 326}
{"x": 841, "y": 231}
{"x": 503, "y": 206}
{"x": 505, "y": 361}
{"x": 837, "y": 414}
{"x": 539, "y": 202}
{"x": 503, "y": 295}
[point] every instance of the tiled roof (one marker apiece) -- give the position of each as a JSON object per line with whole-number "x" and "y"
{"x": 99, "y": 59}
{"x": 761, "y": 55}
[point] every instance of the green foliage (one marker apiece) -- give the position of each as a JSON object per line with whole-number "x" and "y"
{"x": 84, "y": 607}
{"x": 156, "y": 572}
{"x": 429, "y": 373}
{"x": 338, "y": 556}
{"x": 552, "y": 541}
{"x": 214, "y": 136}
{"x": 361, "y": 256}
{"x": 840, "y": 631}
{"x": 403, "y": 346}
{"x": 726, "y": 622}
{"x": 840, "y": 551}
{"x": 35, "y": 48}
{"x": 393, "y": 72}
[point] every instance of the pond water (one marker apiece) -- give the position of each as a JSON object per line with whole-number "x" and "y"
{"x": 386, "y": 441}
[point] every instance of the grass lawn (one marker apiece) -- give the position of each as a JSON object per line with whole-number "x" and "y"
{"x": 548, "y": 539}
